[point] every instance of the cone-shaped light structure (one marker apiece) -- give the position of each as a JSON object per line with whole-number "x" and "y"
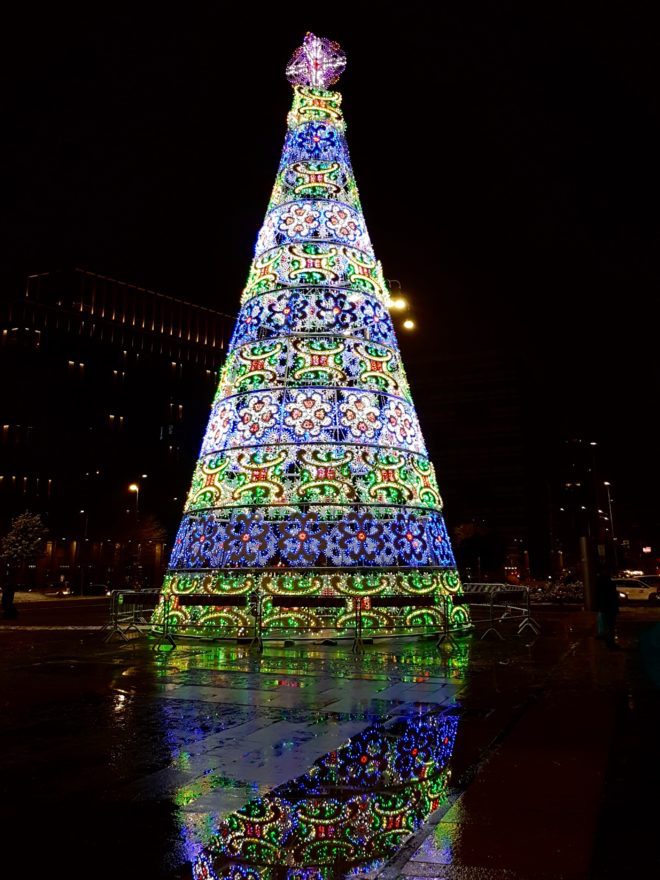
{"x": 313, "y": 480}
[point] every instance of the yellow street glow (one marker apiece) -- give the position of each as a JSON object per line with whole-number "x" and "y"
{"x": 408, "y": 324}
{"x": 134, "y": 487}
{"x": 399, "y": 304}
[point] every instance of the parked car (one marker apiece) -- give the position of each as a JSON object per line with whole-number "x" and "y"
{"x": 59, "y": 589}
{"x": 641, "y": 589}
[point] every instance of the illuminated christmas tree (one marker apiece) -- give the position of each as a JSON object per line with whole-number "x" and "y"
{"x": 313, "y": 480}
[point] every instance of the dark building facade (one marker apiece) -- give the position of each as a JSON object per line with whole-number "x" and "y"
{"x": 106, "y": 385}
{"x": 586, "y": 505}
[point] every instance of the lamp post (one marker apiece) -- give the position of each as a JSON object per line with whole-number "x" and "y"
{"x": 83, "y": 548}
{"x": 135, "y": 487}
{"x": 398, "y": 302}
{"x": 609, "y": 507}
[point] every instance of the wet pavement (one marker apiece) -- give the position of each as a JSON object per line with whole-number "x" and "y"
{"x": 484, "y": 759}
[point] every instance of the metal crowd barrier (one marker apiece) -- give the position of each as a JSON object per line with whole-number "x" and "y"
{"x": 129, "y": 610}
{"x": 165, "y": 632}
{"x": 396, "y": 602}
{"x": 293, "y": 601}
{"x": 500, "y": 600}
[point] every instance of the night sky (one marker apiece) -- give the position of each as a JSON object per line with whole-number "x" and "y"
{"x": 507, "y": 159}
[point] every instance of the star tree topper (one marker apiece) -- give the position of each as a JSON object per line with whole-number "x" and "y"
{"x": 318, "y": 63}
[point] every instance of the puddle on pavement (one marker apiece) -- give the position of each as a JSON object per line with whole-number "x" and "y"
{"x": 348, "y": 814}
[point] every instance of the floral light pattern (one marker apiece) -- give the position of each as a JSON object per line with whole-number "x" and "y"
{"x": 308, "y": 413}
{"x": 360, "y": 414}
{"x": 313, "y": 475}
{"x": 256, "y": 417}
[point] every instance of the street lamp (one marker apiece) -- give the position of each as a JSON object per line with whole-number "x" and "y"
{"x": 609, "y": 507}
{"x": 399, "y": 303}
{"x": 84, "y": 520}
{"x": 134, "y": 487}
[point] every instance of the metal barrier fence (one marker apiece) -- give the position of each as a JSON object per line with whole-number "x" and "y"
{"x": 130, "y": 611}
{"x": 499, "y": 599}
{"x": 442, "y": 631}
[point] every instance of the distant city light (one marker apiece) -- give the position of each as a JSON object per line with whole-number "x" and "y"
{"x": 408, "y": 324}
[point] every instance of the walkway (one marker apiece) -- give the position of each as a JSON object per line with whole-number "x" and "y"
{"x": 123, "y": 763}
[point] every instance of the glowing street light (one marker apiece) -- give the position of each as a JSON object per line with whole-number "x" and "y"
{"x": 134, "y": 487}
{"x": 398, "y": 303}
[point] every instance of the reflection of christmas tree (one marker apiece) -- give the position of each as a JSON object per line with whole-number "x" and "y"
{"x": 313, "y": 477}
{"x": 352, "y": 810}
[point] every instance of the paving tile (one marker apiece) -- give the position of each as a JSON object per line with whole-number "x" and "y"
{"x": 349, "y": 706}
{"x": 397, "y": 691}
{"x": 222, "y": 801}
{"x": 243, "y": 697}
{"x": 271, "y": 733}
{"x": 231, "y": 732}
{"x": 449, "y": 872}
{"x": 197, "y": 763}
{"x": 275, "y": 753}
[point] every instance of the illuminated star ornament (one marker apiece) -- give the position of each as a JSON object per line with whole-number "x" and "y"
{"x": 317, "y": 63}
{"x": 313, "y": 496}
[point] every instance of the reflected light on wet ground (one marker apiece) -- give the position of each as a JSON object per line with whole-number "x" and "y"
{"x": 352, "y": 810}
{"x": 369, "y": 733}
{"x": 304, "y": 763}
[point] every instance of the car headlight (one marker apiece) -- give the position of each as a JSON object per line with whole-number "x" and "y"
{"x": 622, "y": 596}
